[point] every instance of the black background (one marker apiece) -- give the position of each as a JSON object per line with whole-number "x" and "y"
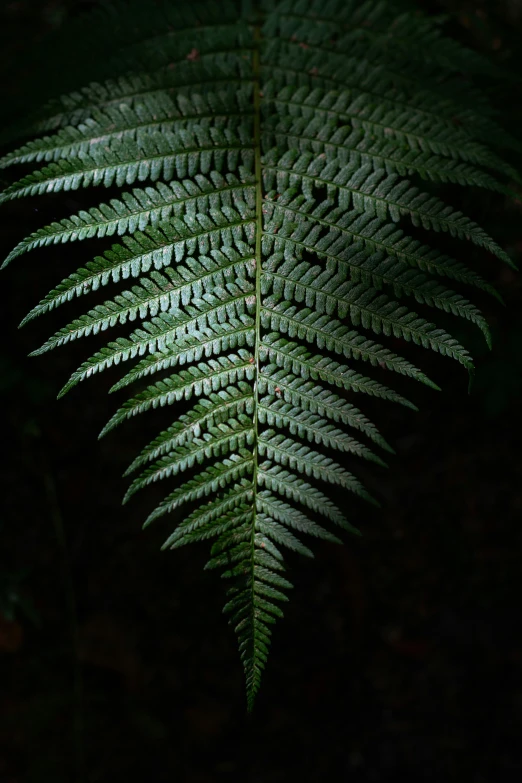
{"x": 400, "y": 654}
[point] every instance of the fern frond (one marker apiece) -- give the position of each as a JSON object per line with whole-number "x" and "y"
{"x": 362, "y": 70}
{"x": 217, "y": 407}
{"x": 214, "y": 70}
{"x": 152, "y": 156}
{"x": 202, "y": 378}
{"x": 329, "y": 291}
{"x": 377, "y": 194}
{"x": 210, "y": 341}
{"x": 218, "y": 475}
{"x": 290, "y": 517}
{"x": 353, "y": 145}
{"x": 312, "y": 397}
{"x": 285, "y": 451}
{"x": 265, "y": 162}
{"x": 295, "y": 358}
{"x": 158, "y": 113}
{"x": 277, "y": 413}
{"x": 329, "y": 333}
{"x": 338, "y": 110}
{"x": 157, "y": 296}
{"x": 152, "y": 206}
{"x": 223, "y": 438}
{"x": 289, "y": 485}
{"x": 156, "y": 249}
{"x": 213, "y": 520}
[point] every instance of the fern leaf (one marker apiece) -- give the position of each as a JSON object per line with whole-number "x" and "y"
{"x": 312, "y": 397}
{"x": 289, "y": 485}
{"x": 338, "y": 109}
{"x": 131, "y": 261}
{"x": 217, "y": 475}
{"x": 329, "y": 292}
{"x": 202, "y": 378}
{"x": 269, "y": 225}
{"x": 164, "y": 155}
{"x": 290, "y": 517}
{"x": 223, "y": 438}
{"x": 142, "y": 208}
{"x": 285, "y": 451}
{"x": 215, "y": 408}
{"x": 123, "y": 123}
{"x": 381, "y": 195}
{"x": 331, "y": 334}
{"x": 215, "y": 70}
{"x": 277, "y": 413}
{"x": 294, "y": 358}
{"x": 205, "y": 342}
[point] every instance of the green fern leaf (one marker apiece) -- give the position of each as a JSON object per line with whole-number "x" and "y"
{"x": 275, "y": 214}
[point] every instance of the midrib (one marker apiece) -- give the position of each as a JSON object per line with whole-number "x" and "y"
{"x": 259, "y": 228}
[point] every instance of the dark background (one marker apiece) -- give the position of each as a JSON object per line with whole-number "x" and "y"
{"x": 400, "y": 654}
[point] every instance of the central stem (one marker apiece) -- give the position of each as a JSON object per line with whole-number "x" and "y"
{"x": 259, "y": 229}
